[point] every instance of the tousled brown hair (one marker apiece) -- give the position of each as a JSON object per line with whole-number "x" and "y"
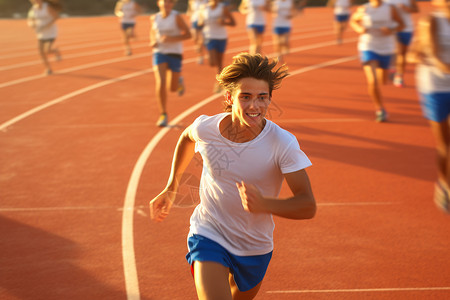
{"x": 256, "y": 66}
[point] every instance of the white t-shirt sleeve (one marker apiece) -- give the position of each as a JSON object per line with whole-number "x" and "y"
{"x": 293, "y": 158}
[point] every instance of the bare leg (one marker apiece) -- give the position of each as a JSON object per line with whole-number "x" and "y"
{"x": 256, "y": 40}
{"x": 238, "y": 295}
{"x": 373, "y": 84}
{"x": 211, "y": 281}
{"x": 441, "y": 134}
{"x": 43, "y": 48}
{"x": 160, "y": 72}
{"x": 126, "y": 40}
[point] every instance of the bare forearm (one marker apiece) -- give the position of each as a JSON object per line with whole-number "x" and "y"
{"x": 184, "y": 152}
{"x": 299, "y": 207}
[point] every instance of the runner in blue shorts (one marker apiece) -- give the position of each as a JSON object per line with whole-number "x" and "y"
{"x": 230, "y": 239}
{"x": 405, "y": 9}
{"x": 214, "y": 17}
{"x": 376, "y": 22}
{"x": 127, "y": 10}
{"x": 166, "y": 35}
{"x": 433, "y": 83}
{"x": 255, "y": 21}
{"x": 284, "y": 11}
{"x": 194, "y": 8}
{"x": 342, "y": 12}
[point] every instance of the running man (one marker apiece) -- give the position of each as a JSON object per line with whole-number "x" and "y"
{"x": 245, "y": 160}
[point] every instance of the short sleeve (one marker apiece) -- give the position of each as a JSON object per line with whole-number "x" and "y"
{"x": 293, "y": 158}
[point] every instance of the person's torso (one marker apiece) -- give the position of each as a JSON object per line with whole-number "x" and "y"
{"x": 256, "y": 15}
{"x": 283, "y": 10}
{"x": 428, "y": 77}
{"x": 129, "y": 12}
{"x": 342, "y": 7}
{"x": 167, "y": 26}
{"x": 374, "y": 40}
{"x": 213, "y": 29}
{"x": 43, "y": 17}
{"x": 406, "y": 16}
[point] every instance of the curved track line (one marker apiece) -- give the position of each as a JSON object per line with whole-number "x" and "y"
{"x": 68, "y": 96}
{"x": 120, "y": 59}
{"x": 128, "y": 254}
{"x": 413, "y": 289}
{"x": 131, "y": 75}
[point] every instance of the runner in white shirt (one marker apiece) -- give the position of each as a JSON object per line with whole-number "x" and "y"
{"x": 284, "y": 11}
{"x": 194, "y": 7}
{"x": 405, "y": 9}
{"x": 214, "y": 17}
{"x": 127, "y": 10}
{"x": 342, "y": 12}
{"x": 255, "y": 21}
{"x": 433, "y": 83}
{"x": 42, "y": 18}
{"x": 167, "y": 32}
{"x": 376, "y": 22}
{"x": 245, "y": 160}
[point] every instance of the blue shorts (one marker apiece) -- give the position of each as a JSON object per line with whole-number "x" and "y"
{"x": 218, "y": 45}
{"x": 404, "y": 38}
{"x": 383, "y": 60}
{"x": 281, "y": 30}
{"x": 195, "y": 25}
{"x": 173, "y": 60}
{"x": 435, "y": 106}
{"x": 125, "y": 26}
{"x": 258, "y": 28}
{"x": 248, "y": 271}
{"x": 341, "y": 18}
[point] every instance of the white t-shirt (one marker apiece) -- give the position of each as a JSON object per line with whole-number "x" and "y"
{"x": 213, "y": 29}
{"x": 256, "y": 13}
{"x": 283, "y": 10}
{"x": 374, "y": 40}
{"x": 167, "y": 26}
{"x": 342, "y": 7}
{"x": 430, "y": 79}
{"x": 129, "y": 13}
{"x": 262, "y": 162}
{"x": 406, "y": 16}
{"x": 42, "y": 18}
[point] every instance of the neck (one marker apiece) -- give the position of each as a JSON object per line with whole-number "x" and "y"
{"x": 237, "y": 132}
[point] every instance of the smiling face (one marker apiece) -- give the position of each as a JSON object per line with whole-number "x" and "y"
{"x": 250, "y": 101}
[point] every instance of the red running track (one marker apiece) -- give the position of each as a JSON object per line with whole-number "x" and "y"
{"x": 80, "y": 158}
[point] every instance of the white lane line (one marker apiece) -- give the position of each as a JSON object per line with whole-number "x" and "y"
{"x": 356, "y": 203}
{"x": 129, "y": 260}
{"x": 412, "y": 289}
{"x": 63, "y": 208}
{"x": 332, "y": 120}
{"x": 140, "y": 207}
{"x": 68, "y": 96}
{"x": 128, "y": 76}
{"x": 128, "y": 254}
{"x": 144, "y": 55}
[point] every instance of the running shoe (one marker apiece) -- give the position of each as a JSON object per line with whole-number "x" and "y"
{"x": 162, "y": 121}
{"x": 398, "y": 81}
{"x": 48, "y": 72}
{"x": 181, "y": 88}
{"x": 200, "y": 60}
{"x": 441, "y": 198}
{"x": 380, "y": 115}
